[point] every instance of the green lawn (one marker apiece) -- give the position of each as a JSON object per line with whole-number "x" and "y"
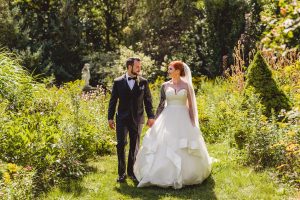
{"x": 229, "y": 180}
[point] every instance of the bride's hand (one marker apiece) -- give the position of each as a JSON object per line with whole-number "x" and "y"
{"x": 193, "y": 124}
{"x": 150, "y": 122}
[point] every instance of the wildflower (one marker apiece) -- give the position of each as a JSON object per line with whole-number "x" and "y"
{"x": 12, "y": 168}
{"x": 291, "y": 133}
{"x": 276, "y": 145}
{"x": 263, "y": 118}
{"x": 281, "y": 166}
{"x": 6, "y": 177}
{"x": 291, "y": 147}
{"x": 28, "y": 168}
{"x": 282, "y": 125}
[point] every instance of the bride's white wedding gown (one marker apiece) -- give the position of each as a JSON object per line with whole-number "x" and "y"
{"x": 173, "y": 151}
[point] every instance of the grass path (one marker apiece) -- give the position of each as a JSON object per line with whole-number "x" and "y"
{"x": 229, "y": 180}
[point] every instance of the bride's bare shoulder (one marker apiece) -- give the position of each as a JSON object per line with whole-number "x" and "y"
{"x": 185, "y": 84}
{"x": 166, "y": 83}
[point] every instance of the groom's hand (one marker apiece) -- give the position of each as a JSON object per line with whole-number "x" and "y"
{"x": 111, "y": 124}
{"x": 150, "y": 122}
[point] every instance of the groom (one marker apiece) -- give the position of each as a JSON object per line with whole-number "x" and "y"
{"x": 133, "y": 94}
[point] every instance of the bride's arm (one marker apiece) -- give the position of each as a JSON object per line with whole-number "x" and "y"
{"x": 190, "y": 106}
{"x": 161, "y": 104}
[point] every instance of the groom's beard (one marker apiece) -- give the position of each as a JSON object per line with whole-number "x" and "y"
{"x": 135, "y": 73}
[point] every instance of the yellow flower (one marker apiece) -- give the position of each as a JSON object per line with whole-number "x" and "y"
{"x": 276, "y": 145}
{"x": 6, "y": 177}
{"x": 12, "y": 168}
{"x": 291, "y": 147}
{"x": 281, "y": 166}
{"x": 288, "y": 69}
{"x": 287, "y": 88}
{"x": 282, "y": 125}
{"x": 263, "y": 118}
{"x": 296, "y": 152}
{"x": 291, "y": 133}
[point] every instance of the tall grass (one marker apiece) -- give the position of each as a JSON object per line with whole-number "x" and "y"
{"x": 53, "y": 131}
{"x": 226, "y": 114}
{"x": 16, "y": 86}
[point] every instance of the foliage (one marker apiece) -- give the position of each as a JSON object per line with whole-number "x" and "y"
{"x": 54, "y": 36}
{"x": 58, "y": 129}
{"x": 149, "y": 70}
{"x": 262, "y": 142}
{"x": 259, "y": 77}
{"x": 219, "y": 110}
{"x": 282, "y": 21}
{"x": 16, "y": 86}
{"x": 225, "y": 21}
{"x": 229, "y": 180}
{"x": 57, "y": 38}
{"x": 11, "y": 35}
{"x": 105, "y": 66}
{"x": 289, "y": 79}
{"x": 156, "y": 26}
{"x": 16, "y": 182}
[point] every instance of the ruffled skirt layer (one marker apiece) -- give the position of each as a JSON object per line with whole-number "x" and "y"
{"x": 173, "y": 152}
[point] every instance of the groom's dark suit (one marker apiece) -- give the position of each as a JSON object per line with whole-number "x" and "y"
{"x": 129, "y": 117}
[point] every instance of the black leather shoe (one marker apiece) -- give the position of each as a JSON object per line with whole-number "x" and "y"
{"x": 132, "y": 177}
{"x": 121, "y": 179}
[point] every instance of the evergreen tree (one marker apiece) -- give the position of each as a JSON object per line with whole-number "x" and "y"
{"x": 259, "y": 78}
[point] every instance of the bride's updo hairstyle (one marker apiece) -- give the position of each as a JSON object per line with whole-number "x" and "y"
{"x": 178, "y": 65}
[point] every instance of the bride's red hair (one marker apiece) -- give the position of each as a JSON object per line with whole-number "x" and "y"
{"x": 178, "y": 65}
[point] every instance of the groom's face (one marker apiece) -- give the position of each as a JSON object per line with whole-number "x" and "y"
{"x": 136, "y": 68}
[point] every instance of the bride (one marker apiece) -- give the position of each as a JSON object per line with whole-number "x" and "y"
{"x": 173, "y": 151}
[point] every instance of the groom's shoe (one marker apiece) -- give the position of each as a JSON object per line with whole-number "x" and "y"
{"x": 133, "y": 178}
{"x": 121, "y": 179}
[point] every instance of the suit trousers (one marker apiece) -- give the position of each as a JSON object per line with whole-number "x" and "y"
{"x": 123, "y": 127}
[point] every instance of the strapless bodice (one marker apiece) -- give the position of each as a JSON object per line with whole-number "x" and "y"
{"x": 176, "y": 98}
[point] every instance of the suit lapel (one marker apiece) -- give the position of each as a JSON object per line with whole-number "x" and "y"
{"x": 135, "y": 89}
{"x": 126, "y": 86}
{"x": 135, "y": 86}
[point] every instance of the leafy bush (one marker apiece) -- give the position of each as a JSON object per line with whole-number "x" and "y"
{"x": 219, "y": 106}
{"x": 16, "y": 86}
{"x": 259, "y": 77}
{"x": 281, "y": 18}
{"x": 262, "y": 142}
{"x": 149, "y": 69}
{"x": 57, "y": 128}
{"x": 276, "y": 144}
{"x": 288, "y": 78}
{"x": 16, "y": 182}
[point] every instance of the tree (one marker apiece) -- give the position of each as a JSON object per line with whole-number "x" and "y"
{"x": 259, "y": 78}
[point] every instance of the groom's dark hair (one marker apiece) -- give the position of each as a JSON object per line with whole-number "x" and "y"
{"x": 131, "y": 60}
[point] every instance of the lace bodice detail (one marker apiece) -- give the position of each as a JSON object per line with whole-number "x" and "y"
{"x": 176, "y": 98}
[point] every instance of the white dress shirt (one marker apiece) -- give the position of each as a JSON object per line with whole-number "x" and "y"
{"x": 130, "y": 82}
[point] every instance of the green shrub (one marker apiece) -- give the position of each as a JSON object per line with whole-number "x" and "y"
{"x": 57, "y": 128}
{"x": 259, "y": 77}
{"x": 262, "y": 142}
{"x": 281, "y": 21}
{"x": 16, "y": 86}
{"x": 277, "y": 145}
{"x": 219, "y": 110}
{"x": 16, "y": 182}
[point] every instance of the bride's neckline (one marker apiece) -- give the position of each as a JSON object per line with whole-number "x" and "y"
{"x": 176, "y": 92}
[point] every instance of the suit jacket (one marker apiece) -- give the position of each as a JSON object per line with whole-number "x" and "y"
{"x": 131, "y": 102}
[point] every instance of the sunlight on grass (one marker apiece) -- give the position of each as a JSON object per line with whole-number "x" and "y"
{"x": 229, "y": 180}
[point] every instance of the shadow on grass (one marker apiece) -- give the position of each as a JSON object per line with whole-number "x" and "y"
{"x": 71, "y": 185}
{"x": 201, "y": 191}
